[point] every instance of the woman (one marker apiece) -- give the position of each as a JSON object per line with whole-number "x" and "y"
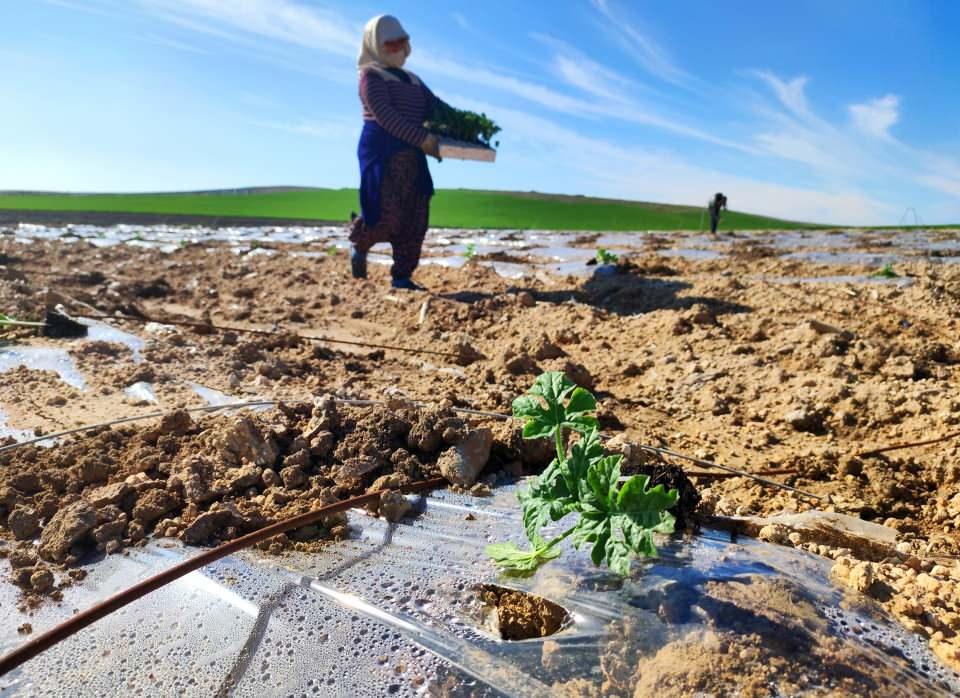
{"x": 395, "y": 183}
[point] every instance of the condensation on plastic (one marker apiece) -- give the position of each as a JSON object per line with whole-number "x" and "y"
{"x": 394, "y": 610}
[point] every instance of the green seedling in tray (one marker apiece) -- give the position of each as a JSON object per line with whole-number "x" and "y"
{"x": 471, "y": 251}
{"x": 461, "y": 125}
{"x": 617, "y": 521}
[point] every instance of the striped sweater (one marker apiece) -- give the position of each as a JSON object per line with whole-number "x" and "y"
{"x": 400, "y": 108}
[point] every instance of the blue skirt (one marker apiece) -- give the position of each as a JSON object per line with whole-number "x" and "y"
{"x": 374, "y": 151}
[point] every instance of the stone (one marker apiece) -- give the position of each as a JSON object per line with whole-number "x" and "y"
{"x": 23, "y": 522}
{"x": 928, "y": 583}
{"x": 354, "y": 470}
{"x": 176, "y": 423}
{"x": 299, "y": 459}
{"x": 775, "y": 533}
{"x": 862, "y": 576}
{"x": 805, "y": 419}
{"x": 462, "y": 464}
{"x": 136, "y": 531}
{"x": 525, "y": 299}
{"x": 42, "y": 580}
{"x": 110, "y": 530}
{"x": 244, "y": 441}
{"x": 703, "y": 315}
{"x": 109, "y": 494}
{"x": 67, "y": 527}
{"x": 202, "y": 528}
{"x": 547, "y": 350}
{"x": 238, "y": 479}
{"x": 270, "y": 478}
{"x": 579, "y": 374}
{"x": 322, "y": 444}
{"x": 467, "y": 353}
{"x": 153, "y": 504}
{"x": 393, "y": 506}
{"x": 293, "y": 477}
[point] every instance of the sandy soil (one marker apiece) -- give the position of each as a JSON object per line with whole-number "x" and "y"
{"x": 745, "y": 360}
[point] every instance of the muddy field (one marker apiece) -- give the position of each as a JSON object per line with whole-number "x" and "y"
{"x": 762, "y": 352}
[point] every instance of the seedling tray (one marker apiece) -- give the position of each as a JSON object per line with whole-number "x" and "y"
{"x": 461, "y": 150}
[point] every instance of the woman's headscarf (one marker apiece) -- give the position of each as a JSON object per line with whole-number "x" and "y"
{"x": 378, "y": 31}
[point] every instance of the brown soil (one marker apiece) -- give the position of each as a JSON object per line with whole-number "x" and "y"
{"x": 522, "y": 616}
{"x": 704, "y": 357}
{"x": 218, "y": 478}
{"x": 760, "y": 637}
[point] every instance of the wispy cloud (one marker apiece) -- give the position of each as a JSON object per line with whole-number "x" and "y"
{"x": 462, "y": 21}
{"x": 583, "y": 73}
{"x": 282, "y": 20}
{"x": 862, "y": 151}
{"x": 641, "y": 47}
{"x": 876, "y": 117}
{"x": 172, "y": 43}
{"x": 632, "y": 112}
{"x": 791, "y": 93}
{"x": 613, "y": 169}
{"x": 91, "y": 6}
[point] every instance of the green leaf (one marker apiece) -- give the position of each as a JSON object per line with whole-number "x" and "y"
{"x": 547, "y": 499}
{"x": 618, "y": 556}
{"x": 602, "y": 477}
{"x": 509, "y": 558}
{"x": 6, "y": 320}
{"x": 605, "y": 256}
{"x": 886, "y": 272}
{"x": 621, "y": 522}
{"x": 582, "y": 454}
{"x": 555, "y": 402}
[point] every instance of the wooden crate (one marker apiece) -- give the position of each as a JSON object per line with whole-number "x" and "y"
{"x": 459, "y": 150}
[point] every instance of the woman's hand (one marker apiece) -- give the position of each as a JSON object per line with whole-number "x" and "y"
{"x": 431, "y": 146}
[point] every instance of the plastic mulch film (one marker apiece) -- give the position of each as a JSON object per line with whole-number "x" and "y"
{"x": 410, "y": 609}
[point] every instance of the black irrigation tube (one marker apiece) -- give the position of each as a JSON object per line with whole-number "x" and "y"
{"x": 217, "y": 408}
{"x": 727, "y": 468}
{"x": 81, "y": 620}
{"x": 271, "y": 333}
{"x": 370, "y": 403}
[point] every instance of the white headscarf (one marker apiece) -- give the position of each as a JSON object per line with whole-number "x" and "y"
{"x": 378, "y": 31}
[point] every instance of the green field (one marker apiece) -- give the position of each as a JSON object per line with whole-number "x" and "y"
{"x": 452, "y": 208}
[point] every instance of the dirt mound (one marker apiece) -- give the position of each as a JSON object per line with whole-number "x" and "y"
{"x": 213, "y": 480}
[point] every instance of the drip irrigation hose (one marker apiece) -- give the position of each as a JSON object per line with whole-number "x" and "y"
{"x": 272, "y": 333}
{"x": 124, "y": 420}
{"x": 217, "y": 408}
{"x": 369, "y": 403}
{"x": 910, "y": 444}
{"x": 727, "y": 468}
{"x": 45, "y": 641}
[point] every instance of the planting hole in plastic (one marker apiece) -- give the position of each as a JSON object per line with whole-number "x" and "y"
{"x": 517, "y": 615}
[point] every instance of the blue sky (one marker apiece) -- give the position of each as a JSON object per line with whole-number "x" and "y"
{"x": 841, "y": 112}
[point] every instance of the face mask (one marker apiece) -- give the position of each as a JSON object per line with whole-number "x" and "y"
{"x": 396, "y": 59}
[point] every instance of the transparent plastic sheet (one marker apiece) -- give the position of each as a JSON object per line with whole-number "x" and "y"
{"x": 395, "y": 610}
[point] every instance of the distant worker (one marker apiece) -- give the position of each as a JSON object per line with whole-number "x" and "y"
{"x": 395, "y": 182}
{"x": 718, "y": 202}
